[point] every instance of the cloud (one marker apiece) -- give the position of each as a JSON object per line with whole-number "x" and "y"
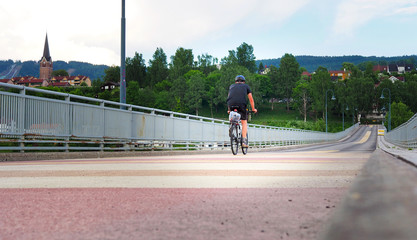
{"x": 352, "y": 14}
{"x": 90, "y": 30}
{"x": 181, "y": 23}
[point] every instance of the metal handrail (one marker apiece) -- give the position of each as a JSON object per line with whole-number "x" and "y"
{"x": 405, "y": 135}
{"x": 31, "y": 118}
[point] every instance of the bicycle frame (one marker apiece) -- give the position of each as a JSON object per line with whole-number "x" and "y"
{"x": 235, "y": 133}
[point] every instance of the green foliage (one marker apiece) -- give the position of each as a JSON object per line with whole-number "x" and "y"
{"x": 288, "y": 74}
{"x": 158, "y": 68}
{"x": 136, "y": 70}
{"x": 320, "y": 84}
{"x": 206, "y": 63}
{"x": 311, "y": 63}
{"x": 245, "y": 57}
{"x": 199, "y": 87}
{"x": 112, "y": 74}
{"x": 301, "y": 97}
{"x": 195, "y": 94}
{"x": 181, "y": 63}
{"x": 60, "y": 72}
{"x": 400, "y": 113}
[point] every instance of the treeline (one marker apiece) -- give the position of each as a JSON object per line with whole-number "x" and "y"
{"x": 311, "y": 63}
{"x": 185, "y": 85}
{"x": 31, "y": 68}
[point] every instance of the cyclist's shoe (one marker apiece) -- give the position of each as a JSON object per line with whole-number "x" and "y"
{"x": 230, "y": 131}
{"x": 245, "y": 143}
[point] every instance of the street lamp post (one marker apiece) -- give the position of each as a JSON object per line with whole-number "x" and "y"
{"x": 333, "y": 98}
{"x": 123, "y": 58}
{"x": 389, "y": 107}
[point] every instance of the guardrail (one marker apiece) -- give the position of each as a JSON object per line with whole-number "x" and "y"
{"x": 66, "y": 122}
{"x": 404, "y": 135}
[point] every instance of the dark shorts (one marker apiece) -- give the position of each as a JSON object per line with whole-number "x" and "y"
{"x": 241, "y": 108}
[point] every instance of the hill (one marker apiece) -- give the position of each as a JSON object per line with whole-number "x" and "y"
{"x": 10, "y": 69}
{"x": 311, "y": 63}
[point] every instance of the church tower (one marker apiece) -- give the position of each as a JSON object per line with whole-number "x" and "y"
{"x": 45, "y": 71}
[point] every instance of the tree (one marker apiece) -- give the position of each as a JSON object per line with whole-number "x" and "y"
{"x": 288, "y": 75}
{"x": 60, "y": 72}
{"x": 261, "y": 68}
{"x": 361, "y": 93}
{"x": 274, "y": 81}
{"x": 399, "y": 115}
{"x": 132, "y": 96}
{"x": 410, "y": 94}
{"x": 112, "y": 74}
{"x": 245, "y": 57}
{"x": 261, "y": 87}
{"x": 369, "y": 72}
{"x": 194, "y": 95}
{"x": 206, "y": 63}
{"x": 158, "y": 68}
{"x": 181, "y": 63}
{"x": 320, "y": 83}
{"x": 210, "y": 87}
{"x": 230, "y": 60}
{"x": 354, "y": 69}
{"x": 136, "y": 70}
{"x": 301, "y": 96}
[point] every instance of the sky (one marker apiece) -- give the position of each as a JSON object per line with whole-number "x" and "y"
{"x": 89, "y": 30}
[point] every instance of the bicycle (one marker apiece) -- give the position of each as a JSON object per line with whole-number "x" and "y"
{"x": 235, "y": 132}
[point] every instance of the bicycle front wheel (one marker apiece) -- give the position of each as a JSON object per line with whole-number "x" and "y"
{"x": 234, "y": 144}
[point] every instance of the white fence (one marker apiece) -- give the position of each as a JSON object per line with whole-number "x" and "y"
{"x": 70, "y": 122}
{"x": 405, "y": 135}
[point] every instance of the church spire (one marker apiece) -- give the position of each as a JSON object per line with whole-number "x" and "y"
{"x": 45, "y": 71}
{"x": 46, "y": 54}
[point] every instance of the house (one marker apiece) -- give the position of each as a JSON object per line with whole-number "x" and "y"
{"x": 394, "y": 79}
{"x": 392, "y": 68}
{"x": 265, "y": 71}
{"x": 306, "y": 74}
{"x": 108, "y": 86}
{"x": 45, "y": 75}
{"x": 340, "y": 75}
{"x": 33, "y": 82}
{"x": 409, "y": 67}
{"x": 72, "y": 80}
{"x": 77, "y": 80}
{"x": 8, "y": 81}
{"x": 380, "y": 68}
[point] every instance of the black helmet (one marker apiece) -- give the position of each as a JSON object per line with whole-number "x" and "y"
{"x": 240, "y": 78}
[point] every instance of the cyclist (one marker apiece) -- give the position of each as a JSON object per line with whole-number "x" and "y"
{"x": 237, "y": 97}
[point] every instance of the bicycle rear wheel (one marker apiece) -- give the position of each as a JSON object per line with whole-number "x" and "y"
{"x": 244, "y": 149}
{"x": 234, "y": 144}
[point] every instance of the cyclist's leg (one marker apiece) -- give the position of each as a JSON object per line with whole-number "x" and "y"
{"x": 244, "y": 128}
{"x": 243, "y": 120}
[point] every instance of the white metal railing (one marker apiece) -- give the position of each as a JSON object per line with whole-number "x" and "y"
{"x": 71, "y": 122}
{"x": 404, "y": 135}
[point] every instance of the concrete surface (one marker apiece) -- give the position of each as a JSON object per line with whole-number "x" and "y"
{"x": 382, "y": 202}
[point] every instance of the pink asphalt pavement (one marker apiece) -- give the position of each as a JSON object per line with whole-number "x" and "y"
{"x": 274, "y": 195}
{"x": 268, "y": 195}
